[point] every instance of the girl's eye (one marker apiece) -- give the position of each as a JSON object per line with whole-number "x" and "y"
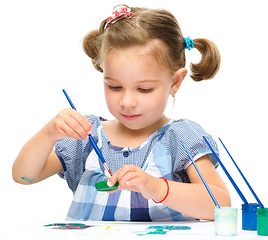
{"x": 115, "y": 88}
{"x": 145, "y": 90}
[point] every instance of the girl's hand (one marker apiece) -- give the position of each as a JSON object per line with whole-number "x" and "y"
{"x": 69, "y": 123}
{"x": 134, "y": 179}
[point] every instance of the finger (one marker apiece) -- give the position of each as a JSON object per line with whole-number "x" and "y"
{"x": 128, "y": 179}
{"x": 89, "y": 129}
{"x": 112, "y": 180}
{"x": 115, "y": 177}
{"x": 72, "y": 128}
{"x": 113, "y": 191}
{"x": 65, "y": 131}
{"x": 83, "y": 121}
{"x": 75, "y": 121}
{"x": 120, "y": 174}
{"x": 134, "y": 181}
{"x": 75, "y": 125}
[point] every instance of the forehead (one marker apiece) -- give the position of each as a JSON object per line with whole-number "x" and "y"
{"x": 134, "y": 63}
{"x": 154, "y": 52}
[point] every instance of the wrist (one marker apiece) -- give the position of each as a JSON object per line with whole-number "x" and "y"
{"x": 49, "y": 131}
{"x": 163, "y": 191}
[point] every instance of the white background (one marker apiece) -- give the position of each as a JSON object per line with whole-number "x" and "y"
{"x": 41, "y": 53}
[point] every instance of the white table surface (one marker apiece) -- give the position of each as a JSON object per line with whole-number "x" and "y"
{"x": 114, "y": 230}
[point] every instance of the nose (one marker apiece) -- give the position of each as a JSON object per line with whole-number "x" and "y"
{"x": 128, "y": 100}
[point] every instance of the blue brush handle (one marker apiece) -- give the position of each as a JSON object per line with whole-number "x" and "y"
{"x": 96, "y": 148}
{"x": 203, "y": 180}
{"x": 226, "y": 172}
{"x": 250, "y": 188}
{"x": 69, "y": 100}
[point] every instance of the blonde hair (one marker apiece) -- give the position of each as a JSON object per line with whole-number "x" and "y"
{"x": 159, "y": 28}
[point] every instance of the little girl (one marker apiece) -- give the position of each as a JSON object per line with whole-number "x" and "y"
{"x": 141, "y": 53}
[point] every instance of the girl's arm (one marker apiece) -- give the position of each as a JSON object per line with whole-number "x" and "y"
{"x": 191, "y": 199}
{"x": 37, "y": 161}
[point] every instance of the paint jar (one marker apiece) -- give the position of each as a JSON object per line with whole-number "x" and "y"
{"x": 262, "y": 221}
{"x": 226, "y": 221}
{"x": 249, "y": 216}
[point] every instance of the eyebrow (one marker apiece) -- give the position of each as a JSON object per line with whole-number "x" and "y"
{"x": 107, "y": 78}
{"x": 148, "y": 80}
{"x": 140, "y": 81}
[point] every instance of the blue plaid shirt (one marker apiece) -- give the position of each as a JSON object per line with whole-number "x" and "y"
{"x": 160, "y": 155}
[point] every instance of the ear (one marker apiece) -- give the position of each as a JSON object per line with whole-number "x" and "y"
{"x": 178, "y": 77}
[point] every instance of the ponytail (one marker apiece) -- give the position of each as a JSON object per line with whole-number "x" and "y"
{"x": 92, "y": 47}
{"x": 209, "y": 64}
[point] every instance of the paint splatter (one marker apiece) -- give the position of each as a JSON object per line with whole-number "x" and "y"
{"x": 148, "y": 232}
{"x": 27, "y": 180}
{"x": 68, "y": 226}
{"x": 170, "y": 227}
{"x": 112, "y": 227}
{"x": 161, "y": 229}
{"x": 72, "y": 227}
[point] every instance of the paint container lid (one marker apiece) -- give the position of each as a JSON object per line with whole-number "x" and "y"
{"x": 250, "y": 206}
{"x": 262, "y": 212}
{"x": 226, "y": 211}
{"x": 103, "y": 187}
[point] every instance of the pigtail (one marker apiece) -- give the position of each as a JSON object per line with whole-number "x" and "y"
{"x": 209, "y": 63}
{"x": 92, "y": 47}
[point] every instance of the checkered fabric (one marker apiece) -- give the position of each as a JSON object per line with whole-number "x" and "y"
{"x": 161, "y": 155}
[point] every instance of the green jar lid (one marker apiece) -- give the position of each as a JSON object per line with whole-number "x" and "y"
{"x": 103, "y": 187}
{"x": 262, "y": 212}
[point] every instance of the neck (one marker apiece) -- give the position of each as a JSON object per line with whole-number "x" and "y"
{"x": 147, "y": 131}
{"x": 122, "y": 136}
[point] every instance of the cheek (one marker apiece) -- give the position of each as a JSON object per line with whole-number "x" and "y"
{"x": 108, "y": 97}
{"x": 155, "y": 103}
{"x": 161, "y": 97}
{"x": 112, "y": 101}
{"x": 108, "y": 93}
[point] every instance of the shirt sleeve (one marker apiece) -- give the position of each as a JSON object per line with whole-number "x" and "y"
{"x": 191, "y": 133}
{"x": 73, "y": 154}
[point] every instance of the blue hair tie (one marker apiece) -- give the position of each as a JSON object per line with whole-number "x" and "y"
{"x": 189, "y": 43}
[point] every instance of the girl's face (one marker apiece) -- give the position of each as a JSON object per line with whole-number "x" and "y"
{"x": 136, "y": 88}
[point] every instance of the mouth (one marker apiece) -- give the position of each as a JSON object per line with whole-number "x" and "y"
{"x": 130, "y": 117}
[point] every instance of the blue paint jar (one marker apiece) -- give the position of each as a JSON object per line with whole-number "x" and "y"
{"x": 249, "y": 216}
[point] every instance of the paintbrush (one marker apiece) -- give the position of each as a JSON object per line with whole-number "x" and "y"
{"x": 202, "y": 178}
{"x": 246, "y": 181}
{"x": 96, "y": 148}
{"x": 227, "y": 173}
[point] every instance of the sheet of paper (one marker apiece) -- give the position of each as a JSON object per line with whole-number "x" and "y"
{"x": 113, "y": 231}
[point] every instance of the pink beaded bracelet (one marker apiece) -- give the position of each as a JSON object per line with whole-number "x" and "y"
{"x": 167, "y": 191}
